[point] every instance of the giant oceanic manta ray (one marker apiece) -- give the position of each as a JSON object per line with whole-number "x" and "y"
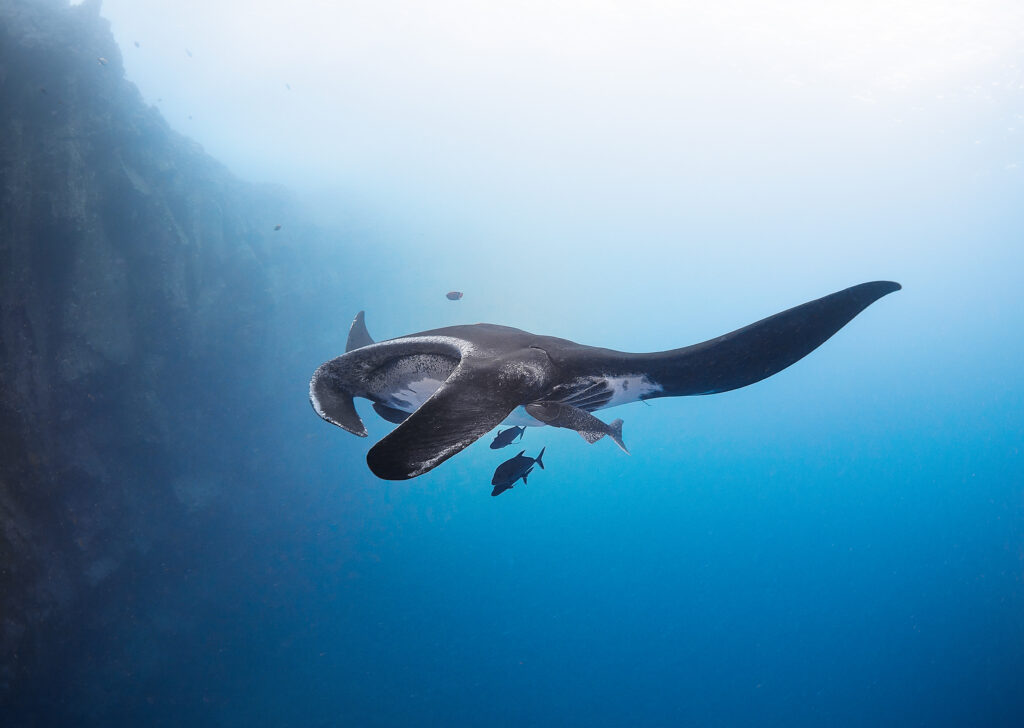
{"x": 447, "y": 387}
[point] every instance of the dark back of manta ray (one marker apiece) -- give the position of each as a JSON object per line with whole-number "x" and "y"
{"x": 737, "y": 359}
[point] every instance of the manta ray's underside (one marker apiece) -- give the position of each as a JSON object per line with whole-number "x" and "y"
{"x": 447, "y": 387}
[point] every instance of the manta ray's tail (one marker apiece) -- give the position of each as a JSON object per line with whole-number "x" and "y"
{"x": 615, "y": 432}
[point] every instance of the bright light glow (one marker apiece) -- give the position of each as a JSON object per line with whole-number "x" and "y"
{"x": 645, "y": 140}
{"x": 413, "y": 84}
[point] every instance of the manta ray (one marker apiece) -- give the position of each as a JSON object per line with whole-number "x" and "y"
{"x": 447, "y": 387}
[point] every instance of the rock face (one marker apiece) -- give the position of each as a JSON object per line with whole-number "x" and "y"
{"x": 133, "y": 267}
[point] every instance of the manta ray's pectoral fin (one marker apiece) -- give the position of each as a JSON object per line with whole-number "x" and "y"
{"x": 470, "y": 403}
{"x": 395, "y": 416}
{"x": 358, "y": 336}
{"x": 753, "y": 352}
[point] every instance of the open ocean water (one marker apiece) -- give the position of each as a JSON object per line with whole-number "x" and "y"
{"x": 841, "y": 544}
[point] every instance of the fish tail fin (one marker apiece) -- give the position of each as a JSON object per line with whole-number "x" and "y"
{"x": 538, "y": 460}
{"x": 615, "y": 432}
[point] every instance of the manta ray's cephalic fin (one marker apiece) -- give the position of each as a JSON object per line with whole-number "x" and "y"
{"x": 334, "y": 403}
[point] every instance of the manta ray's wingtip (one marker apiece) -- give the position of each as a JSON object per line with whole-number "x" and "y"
{"x": 880, "y": 288}
{"x": 358, "y": 336}
{"x": 867, "y": 293}
{"x": 385, "y": 467}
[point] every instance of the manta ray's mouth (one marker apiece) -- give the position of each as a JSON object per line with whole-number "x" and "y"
{"x": 412, "y": 396}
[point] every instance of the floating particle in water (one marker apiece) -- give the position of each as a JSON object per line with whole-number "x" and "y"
{"x": 453, "y": 295}
{"x": 277, "y": 227}
{"x": 102, "y": 61}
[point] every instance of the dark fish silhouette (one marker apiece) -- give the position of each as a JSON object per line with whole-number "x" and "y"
{"x": 277, "y": 227}
{"x": 507, "y": 437}
{"x": 453, "y": 295}
{"x": 460, "y": 382}
{"x": 513, "y": 469}
{"x": 591, "y": 429}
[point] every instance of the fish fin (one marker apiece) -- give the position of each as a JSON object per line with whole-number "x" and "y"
{"x": 538, "y": 458}
{"x": 358, "y": 336}
{"x": 615, "y": 432}
{"x": 591, "y": 436}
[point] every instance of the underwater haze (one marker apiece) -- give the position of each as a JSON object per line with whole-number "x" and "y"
{"x": 840, "y": 544}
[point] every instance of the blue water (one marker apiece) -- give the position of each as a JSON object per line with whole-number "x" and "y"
{"x": 841, "y": 544}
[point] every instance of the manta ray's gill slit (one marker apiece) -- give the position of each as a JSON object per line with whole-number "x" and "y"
{"x": 591, "y": 400}
{"x": 577, "y": 388}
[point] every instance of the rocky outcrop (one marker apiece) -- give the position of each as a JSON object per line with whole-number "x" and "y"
{"x": 133, "y": 269}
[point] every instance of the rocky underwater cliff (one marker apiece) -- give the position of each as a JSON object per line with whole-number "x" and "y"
{"x": 137, "y": 315}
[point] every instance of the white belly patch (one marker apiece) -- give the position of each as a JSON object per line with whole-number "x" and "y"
{"x": 629, "y": 389}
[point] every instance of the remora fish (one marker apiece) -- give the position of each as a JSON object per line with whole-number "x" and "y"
{"x": 450, "y": 386}
{"x": 591, "y": 429}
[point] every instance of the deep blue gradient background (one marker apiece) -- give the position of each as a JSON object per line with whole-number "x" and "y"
{"x": 839, "y": 544}
{"x": 842, "y": 544}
